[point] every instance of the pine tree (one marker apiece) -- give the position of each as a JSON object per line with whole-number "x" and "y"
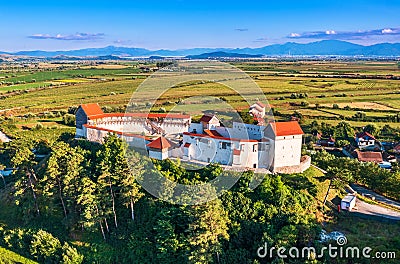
{"x": 24, "y": 160}
{"x": 208, "y": 228}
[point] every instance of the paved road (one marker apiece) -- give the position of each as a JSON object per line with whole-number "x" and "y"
{"x": 376, "y": 210}
{"x": 359, "y": 189}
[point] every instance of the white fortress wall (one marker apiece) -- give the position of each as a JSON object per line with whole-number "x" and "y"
{"x": 196, "y": 128}
{"x": 249, "y": 154}
{"x": 287, "y": 151}
{"x": 240, "y": 130}
{"x": 265, "y": 155}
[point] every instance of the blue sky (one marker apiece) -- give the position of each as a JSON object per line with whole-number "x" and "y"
{"x": 176, "y": 24}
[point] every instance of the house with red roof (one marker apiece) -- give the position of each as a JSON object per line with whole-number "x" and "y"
{"x": 369, "y": 156}
{"x": 209, "y": 121}
{"x": 257, "y": 110}
{"x": 365, "y": 140}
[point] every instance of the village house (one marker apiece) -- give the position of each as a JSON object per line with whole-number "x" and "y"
{"x": 257, "y": 110}
{"x": 326, "y": 142}
{"x": 369, "y": 156}
{"x": 365, "y": 140}
{"x": 275, "y": 146}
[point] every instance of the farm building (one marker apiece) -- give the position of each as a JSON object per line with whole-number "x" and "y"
{"x": 369, "y": 156}
{"x": 348, "y": 202}
{"x": 257, "y": 110}
{"x": 276, "y": 146}
{"x": 326, "y": 142}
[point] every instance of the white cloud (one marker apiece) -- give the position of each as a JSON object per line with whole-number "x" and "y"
{"x": 387, "y": 31}
{"x": 76, "y": 36}
{"x": 330, "y": 32}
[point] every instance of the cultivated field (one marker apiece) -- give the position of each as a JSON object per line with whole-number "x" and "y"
{"x": 328, "y": 91}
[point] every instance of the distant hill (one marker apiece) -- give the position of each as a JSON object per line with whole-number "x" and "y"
{"x": 222, "y": 54}
{"x": 324, "y": 48}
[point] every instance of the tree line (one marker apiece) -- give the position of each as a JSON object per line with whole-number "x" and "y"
{"x": 82, "y": 203}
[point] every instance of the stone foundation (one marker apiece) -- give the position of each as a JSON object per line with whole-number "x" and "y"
{"x": 305, "y": 163}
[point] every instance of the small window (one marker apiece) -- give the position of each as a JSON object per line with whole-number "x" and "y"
{"x": 255, "y": 148}
{"x": 225, "y": 145}
{"x": 261, "y": 147}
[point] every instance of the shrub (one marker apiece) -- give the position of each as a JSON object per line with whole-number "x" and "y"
{"x": 38, "y": 126}
{"x": 69, "y": 120}
{"x": 304, "y": 103}
{"x": 45, "y": 247}
{"x": 341, "y": 143}
{"x": 335, "y": 106}
{"x": 70, "y": 255}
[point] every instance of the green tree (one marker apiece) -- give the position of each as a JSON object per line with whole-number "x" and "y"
{"x": 45, "y": 247}
{"x": 26, "y": 184}
{"x": 112, "y": 170}
{"x": 338, "y": 177}
{"x": 373, "y": 129}
{"x": 344, "y": 130}
{"x": 206, "y": 232}
{"x": 70, "y": 255}
{"x": 130, "y": 190}
{"x": 69, "y": 119}
{"x": 61, "y": 179}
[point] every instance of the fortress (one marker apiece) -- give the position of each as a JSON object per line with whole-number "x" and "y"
{"x": 275, "y": 146}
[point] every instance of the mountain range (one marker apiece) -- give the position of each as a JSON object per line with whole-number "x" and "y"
{"x": 323, "y": 48}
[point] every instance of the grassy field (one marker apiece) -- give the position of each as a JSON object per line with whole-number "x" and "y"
{"x": 353, "y": 85}
{"x": 9, "y": 257}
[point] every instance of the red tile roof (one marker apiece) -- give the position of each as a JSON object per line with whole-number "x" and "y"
{"x": 369, "y": 156}
{"x": 160, "y": 143}
{"x": 397, "y": 148}
{"x": 365, "y": 135}
{"x": 206, "y": 118}
{"x": 212, "y": 133}
{"x": 257, "y": 107}
{"x": 286, "y": 128}
{"x": 187, "y": 145}
{"x": 261, "y": 104}
{"x": 141, "y": 115}
{"x": 92, "y": 109}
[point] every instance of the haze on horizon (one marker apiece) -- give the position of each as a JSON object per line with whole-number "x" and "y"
{"x": 180, "y": 24}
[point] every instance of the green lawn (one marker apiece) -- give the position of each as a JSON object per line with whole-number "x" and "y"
{"x": 9, "y": 257}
